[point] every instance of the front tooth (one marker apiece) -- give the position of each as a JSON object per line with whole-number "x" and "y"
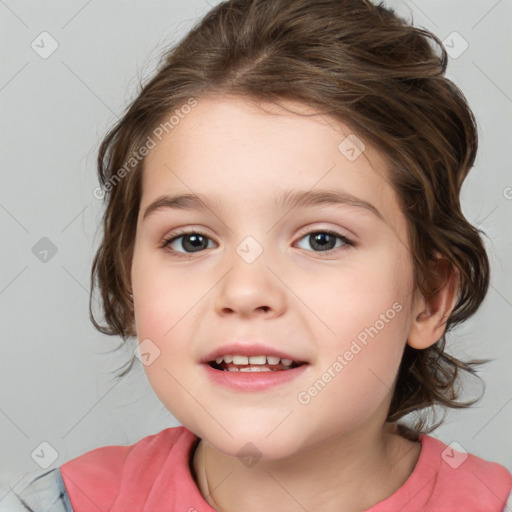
{"x": 240, "y": 360}
{"x": 273, "y": 360}
{"x": 257, "y": 360}
{"x": 228, "y": 359}
{"x": 286, "y": 362}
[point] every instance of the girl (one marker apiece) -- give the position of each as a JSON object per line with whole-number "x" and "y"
{"x": 284, "y": 237}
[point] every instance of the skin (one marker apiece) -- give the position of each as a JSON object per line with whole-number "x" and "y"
{"x": 335, "y": 453}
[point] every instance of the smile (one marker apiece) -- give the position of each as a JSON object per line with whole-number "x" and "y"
{"x": 262, "y": 363}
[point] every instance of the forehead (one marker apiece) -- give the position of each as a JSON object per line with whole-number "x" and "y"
{"x": 237, "y": 148}
{"x": 222, "y": 121}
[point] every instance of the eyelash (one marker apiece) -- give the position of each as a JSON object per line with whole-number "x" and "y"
{"x": 175, "y": 236}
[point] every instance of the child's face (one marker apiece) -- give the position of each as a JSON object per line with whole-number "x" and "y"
{"x": 294, "y": 297}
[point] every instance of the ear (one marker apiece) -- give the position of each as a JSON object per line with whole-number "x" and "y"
{"x": 431, "y": 313}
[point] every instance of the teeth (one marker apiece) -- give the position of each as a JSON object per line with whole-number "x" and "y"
{"x": 253, "y": 360}
{"x": 257, "y": 360}
{"x": 255, "y": 369}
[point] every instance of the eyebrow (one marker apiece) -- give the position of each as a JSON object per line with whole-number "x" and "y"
{"x": 288, "y": 199}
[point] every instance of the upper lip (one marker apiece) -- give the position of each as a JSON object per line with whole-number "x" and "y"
{"x": 249, "y": 349}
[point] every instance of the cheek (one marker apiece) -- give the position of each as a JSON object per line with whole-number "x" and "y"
{"x": 164, "y": 310}
{"x": 356, "y": 373}
{"x": 163, "y": 319}
{"x": 372, "y": 356}
{"x": 368, "y": 312}
{"x": 162, "y": 297}
{"x": 374, "y": 291}
{"x": 161, "y": 322}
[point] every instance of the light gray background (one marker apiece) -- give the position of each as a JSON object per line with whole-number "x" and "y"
{"x": 54, "y": 365}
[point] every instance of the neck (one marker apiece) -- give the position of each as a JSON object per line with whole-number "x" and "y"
{"x": 348, "y": 473}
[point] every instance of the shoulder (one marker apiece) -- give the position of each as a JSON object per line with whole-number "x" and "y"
{"x": 104, "y": 474}
{"x": 462, "y": 477}
{"x": 44, "y": 492}
{"x": 109, "y": 460}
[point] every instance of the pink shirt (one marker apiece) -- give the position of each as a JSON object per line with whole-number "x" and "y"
{"x": 153, "y": 475}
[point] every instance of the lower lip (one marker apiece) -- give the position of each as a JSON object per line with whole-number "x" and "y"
{"x": 253, "y": 381}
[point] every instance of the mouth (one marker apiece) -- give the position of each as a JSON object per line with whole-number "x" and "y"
{"x": 262, "y": 363}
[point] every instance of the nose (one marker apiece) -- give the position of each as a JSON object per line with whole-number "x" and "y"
{"x": 250, "y": 289}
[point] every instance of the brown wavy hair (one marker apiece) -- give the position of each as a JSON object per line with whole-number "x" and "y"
{"x": 367, "y": 67}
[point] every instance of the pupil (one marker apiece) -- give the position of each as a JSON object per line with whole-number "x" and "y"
{"x": 195, "y": 242}
{"x": 320, "y": 239}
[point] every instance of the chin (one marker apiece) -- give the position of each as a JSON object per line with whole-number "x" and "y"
{"x": 250, "y": 445}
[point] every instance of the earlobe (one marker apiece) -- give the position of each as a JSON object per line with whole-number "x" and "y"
{"x": 431, "y": 314}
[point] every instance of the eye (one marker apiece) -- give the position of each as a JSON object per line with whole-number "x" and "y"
{"x": 193, "y": 241}
{"x": 325, "y": 240}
